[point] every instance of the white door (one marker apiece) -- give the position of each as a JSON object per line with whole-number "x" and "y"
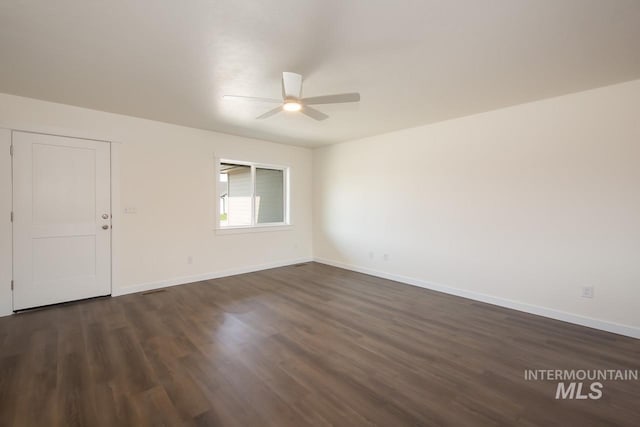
{"x": 62, "y": 219}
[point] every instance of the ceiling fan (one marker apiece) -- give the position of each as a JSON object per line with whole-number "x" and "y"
{"x": 292, "y": 99}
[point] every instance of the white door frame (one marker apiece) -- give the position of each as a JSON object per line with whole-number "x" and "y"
{"x": 114, "y": 181}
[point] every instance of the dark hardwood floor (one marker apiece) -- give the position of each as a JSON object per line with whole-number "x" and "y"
{"x": 297, "y": 346}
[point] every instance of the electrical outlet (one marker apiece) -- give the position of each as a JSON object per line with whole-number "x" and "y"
{"x": 189, "y": 259}
{"x": 587, "y": 292}
{"x": 385, "y": 257}
{"x": 370, "y": 255}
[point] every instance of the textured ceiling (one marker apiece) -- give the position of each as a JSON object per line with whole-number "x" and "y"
{"x": 413, "y": 61}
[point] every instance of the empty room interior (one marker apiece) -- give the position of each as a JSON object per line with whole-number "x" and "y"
{"x": 320, "y": 213}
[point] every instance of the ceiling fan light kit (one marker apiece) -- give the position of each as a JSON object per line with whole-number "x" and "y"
{"x": 292, "y": 100}
{"x": 291, "y": 106}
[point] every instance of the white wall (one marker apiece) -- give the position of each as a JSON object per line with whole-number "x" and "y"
{"x": 520, "y": 206}
{"x": 166, "y": 173}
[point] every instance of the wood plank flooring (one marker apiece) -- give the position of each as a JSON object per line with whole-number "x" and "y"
{"x": 298, "y": 346}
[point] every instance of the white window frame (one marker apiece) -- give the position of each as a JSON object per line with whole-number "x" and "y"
{"x": 254, "y": 226}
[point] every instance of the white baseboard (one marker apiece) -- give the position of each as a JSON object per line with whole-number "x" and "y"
{"x": 616, "y": 328}
{"x": 207, "y": 276}
{"x": 603, "y": 325}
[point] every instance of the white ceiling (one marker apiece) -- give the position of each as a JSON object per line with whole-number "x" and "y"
{"x": 413, "y": 61}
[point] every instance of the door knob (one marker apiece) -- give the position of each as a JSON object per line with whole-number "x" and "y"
{"x": 105, "y": 227}
{"x": 105, "y": 216}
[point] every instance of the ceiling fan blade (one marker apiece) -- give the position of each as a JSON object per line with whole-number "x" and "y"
{"x": 270, "y": 112}
{"x": 291, "y": 85}
{"x": 253, "y": 98}
{"x": 332, "y": 99}
{"x": 313, "y": 113}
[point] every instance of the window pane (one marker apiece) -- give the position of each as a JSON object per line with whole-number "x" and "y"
{"x": 235, "y": 194}
{"x": 269, "y": 195}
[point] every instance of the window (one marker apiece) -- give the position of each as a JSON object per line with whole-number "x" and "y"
{"x": 252, "y": 195}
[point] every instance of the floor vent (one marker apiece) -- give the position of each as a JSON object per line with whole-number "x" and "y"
{"x": 300, "y": 265}
{"x": 154, "y": 292}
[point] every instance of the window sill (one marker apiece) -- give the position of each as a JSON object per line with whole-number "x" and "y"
{"x": 253, "y": 229}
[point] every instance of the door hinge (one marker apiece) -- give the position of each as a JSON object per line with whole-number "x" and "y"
{"x": 11, "y": 150}
{"x": 11, "y": 284}
{"x": 11, "y": 216}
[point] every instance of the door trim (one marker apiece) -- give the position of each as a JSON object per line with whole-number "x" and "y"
{"x": 66, "y": 133}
